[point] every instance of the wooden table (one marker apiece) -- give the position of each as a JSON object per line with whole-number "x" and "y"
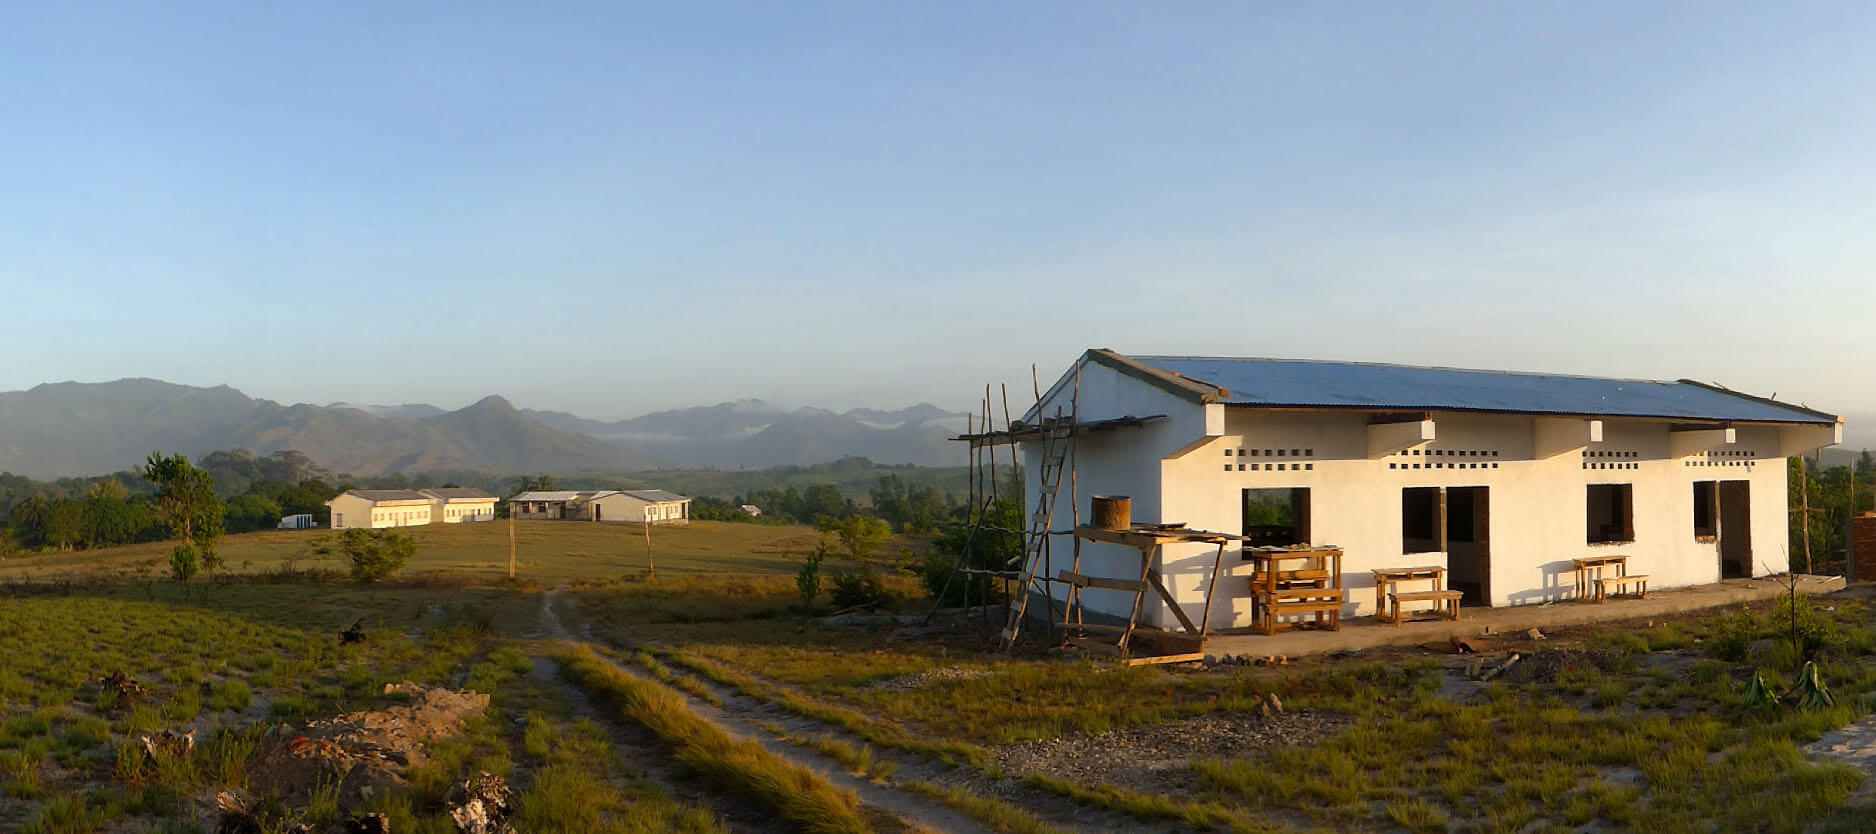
{"x": 1386, "y": 578}
{"x": 1586, "y": 565}
{"x": 1312, "y": 587}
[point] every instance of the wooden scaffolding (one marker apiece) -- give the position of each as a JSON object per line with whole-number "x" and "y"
{"x": 1032, "y": 573}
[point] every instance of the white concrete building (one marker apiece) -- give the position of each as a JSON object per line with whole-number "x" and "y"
{"x": 457, "y": 505}
{"x": 380, "y": 508}
{"x": 640, "y": 506}
{"x": 636, "y": 506}
{"x": 1501, "y": 478}
{"x": 410, "y": 507}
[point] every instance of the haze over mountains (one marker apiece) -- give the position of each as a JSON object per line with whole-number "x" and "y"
{"x": 71, "y": 428}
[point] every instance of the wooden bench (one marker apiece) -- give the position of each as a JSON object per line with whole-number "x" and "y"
{"x": 1445, "y": 603}
{"x": 1318, "y": 601}
{"x": 1618, "y": 582}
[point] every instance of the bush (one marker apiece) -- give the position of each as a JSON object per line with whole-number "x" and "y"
{"x": 937, "y": 571}
{"x": 184, "y": 563}
{"x": 1731, "y": 635}
{"x": 860, "y": 587}
{"x": 372, "y": 554}
{"x": 808, "y": 579}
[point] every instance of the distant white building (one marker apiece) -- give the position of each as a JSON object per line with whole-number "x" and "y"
{"x": 410, "y": 507}
{"x": 634, "y": 506}
{"x": 751, "y": 510}
{"x": 302, "y": 521}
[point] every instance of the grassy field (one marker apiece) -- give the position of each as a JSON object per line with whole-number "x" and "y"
{"x": 608, "y": 690}
{"x": 547, "y": 551}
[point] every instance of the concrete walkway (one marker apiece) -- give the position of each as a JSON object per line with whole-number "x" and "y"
{"x": 1367, "y": 632}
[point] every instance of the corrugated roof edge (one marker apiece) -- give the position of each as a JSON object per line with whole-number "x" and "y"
{"x": 1184, "y": 386}
{"x": 1205, "y": 393}
{"x": 1835, "y": 418}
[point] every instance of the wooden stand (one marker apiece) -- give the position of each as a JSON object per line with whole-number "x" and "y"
{"x": 1314, "y": 586}
{"x": 1124, "y": 640}
{"x": 1387, "y": 600}
{"x": 1589, "y": 574}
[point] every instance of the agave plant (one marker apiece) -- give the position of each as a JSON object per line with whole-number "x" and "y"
{"x": 1810, "y": 690}
{"x": 1759, "y": 696}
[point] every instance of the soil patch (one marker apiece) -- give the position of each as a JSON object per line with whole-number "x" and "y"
{"x": 1157, "y": 758}
{"x": 1545, "y": 666}
{"x": 364, "y": 753}
{"x": 1854, "y": 745}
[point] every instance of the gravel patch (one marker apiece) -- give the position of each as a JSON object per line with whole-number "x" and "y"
{"x": 1155, "y": 759}
{"x": 920, "y": 680}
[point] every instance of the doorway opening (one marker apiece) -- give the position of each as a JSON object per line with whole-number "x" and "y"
{"x": 1468, "y": 543}
{"x": 1735, "y": 529}
{"x": 1456, "y": 522}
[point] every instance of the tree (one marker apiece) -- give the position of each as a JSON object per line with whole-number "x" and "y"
{"x": 186, "y": 504}
{"x": 859, "y": 535}
{"x": 251, "y": 512}
{"x": 822, "y": 500}
{"x": 111, "y": 521}
{"x": 372, "y": 554}
{"x": 64, "y": 523}
{"x": 108, "y": 488}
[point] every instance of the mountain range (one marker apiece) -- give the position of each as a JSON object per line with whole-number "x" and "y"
{"x": 72, "y": 428}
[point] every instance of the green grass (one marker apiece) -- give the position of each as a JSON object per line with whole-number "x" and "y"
{"x": 796, "y": 795}
{"x": 547, "y": 551}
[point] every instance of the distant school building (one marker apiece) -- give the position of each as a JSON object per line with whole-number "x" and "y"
{"x": 632, "y": 506}
{"x": 410, "y": 507}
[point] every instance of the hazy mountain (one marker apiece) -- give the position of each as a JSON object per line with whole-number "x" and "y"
{"x": 755, "y": 434}
{"x": 408, "y": 411}
{"x": 73, "y": 428}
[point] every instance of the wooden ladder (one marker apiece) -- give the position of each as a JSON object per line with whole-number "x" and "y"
{"x": 1058, "y": 435}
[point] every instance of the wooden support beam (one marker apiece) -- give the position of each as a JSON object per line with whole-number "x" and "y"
{"x": 1080, "y": 581}
{"x": 1153, "y": 577}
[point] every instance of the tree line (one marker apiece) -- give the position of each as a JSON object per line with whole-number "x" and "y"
{"x": 247, "y": 492}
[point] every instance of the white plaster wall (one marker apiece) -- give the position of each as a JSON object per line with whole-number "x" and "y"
{"x": 1123, "y": 461}
{"x": 479, "y": 510}
{"x": 1537, "y": 512}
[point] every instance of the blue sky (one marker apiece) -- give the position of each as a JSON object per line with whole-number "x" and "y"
{"x": 610, "y": 209}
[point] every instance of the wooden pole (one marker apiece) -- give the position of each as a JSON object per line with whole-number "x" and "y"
{"x": 511, "y": 540}
{"x": 651, "y": 567}
{"x": 1804, "y": 517}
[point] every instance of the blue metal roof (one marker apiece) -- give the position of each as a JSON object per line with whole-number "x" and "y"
{"x": 1307, "y": 383}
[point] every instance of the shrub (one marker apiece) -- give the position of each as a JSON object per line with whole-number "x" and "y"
{"x": 808, "y": 579}
{"x": 1731, "y": 634}
{"x": 937, "y": 571}
{"x": 372, "y": 554}
{"x": 184, "y": 562}
{"x": 860, "y": 587}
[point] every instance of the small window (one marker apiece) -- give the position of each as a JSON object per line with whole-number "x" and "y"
{"x": 1420, "y": 520}
{"x": 1706, "y": 510}
{"x": 1276, "y": 517}
{"x": 1611, "y": 513}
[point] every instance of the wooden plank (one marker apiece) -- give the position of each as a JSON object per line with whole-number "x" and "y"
{"x": 1205, "y": 616}
{"x": 1303, "y": 593}
{"x": 1081, "y": 581}
{"x": 1426, "y": 596}
{"x": 1095, "y": 646}
{"x": 1152, "y": 576}
{"x": 1164, "y": 658}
